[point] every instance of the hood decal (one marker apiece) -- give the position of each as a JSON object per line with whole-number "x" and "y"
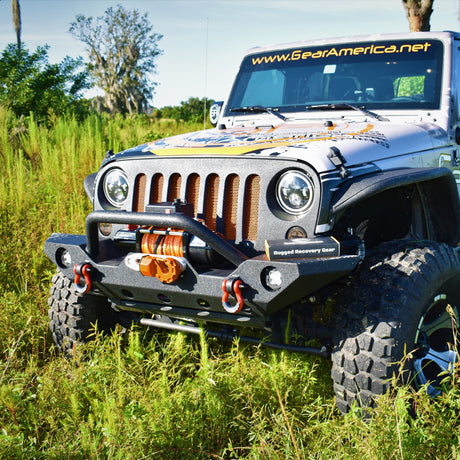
{"x": 239, "y": 141}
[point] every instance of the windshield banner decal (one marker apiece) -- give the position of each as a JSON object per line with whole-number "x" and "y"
{"x": 299, "y": 55}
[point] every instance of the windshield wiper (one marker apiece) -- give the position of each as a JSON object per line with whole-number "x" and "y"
{"x": 259, "y": 109}
{"x": 345, "y": 106}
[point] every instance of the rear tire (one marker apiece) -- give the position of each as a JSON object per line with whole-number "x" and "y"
{"x": 397, "y": 304}
{"x": 73, "y": 315}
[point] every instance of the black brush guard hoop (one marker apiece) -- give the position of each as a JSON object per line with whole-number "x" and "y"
{"x": 181, "y": 221}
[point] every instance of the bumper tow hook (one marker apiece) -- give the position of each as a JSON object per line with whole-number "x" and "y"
{"x": 232, "y": 286}
{"x": 82, "y": 270}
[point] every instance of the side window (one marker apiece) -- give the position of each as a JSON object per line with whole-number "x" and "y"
{"x": 457, "y": 81}
{"x": 266, "y": 88}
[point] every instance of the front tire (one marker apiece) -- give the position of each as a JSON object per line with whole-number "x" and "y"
{"x": 73, "y": 315}
{"x": 403, "y": 300}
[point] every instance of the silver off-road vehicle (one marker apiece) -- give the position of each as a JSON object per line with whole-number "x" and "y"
{"x": 321, "y": 215}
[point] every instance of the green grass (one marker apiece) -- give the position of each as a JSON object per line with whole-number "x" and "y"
{"x": 171, "y": 396}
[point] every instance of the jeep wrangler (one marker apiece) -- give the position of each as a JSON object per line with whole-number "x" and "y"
{"x": 320, "y": 215}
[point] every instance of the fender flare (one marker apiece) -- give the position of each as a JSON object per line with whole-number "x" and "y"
{"x": 89, "y": 184}
{"x": 431, "y": 182}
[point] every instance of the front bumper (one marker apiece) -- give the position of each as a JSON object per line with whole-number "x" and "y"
{"x": 197, "y": 294}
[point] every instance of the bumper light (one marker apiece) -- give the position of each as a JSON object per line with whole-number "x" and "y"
{"x": 272, "y": 278}
{"x": 63, "y": 258}
{"x": 105, "y": 228}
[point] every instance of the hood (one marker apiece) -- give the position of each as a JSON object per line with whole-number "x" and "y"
{"x": 359, "y": 142}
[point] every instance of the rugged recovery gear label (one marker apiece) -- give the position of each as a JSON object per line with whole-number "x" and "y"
{"x": 302, "y": 248}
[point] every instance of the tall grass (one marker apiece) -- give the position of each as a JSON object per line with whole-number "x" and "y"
{"x": 171, "y": 396}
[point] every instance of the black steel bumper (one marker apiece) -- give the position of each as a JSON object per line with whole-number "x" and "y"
{"x": 197, "y": 294}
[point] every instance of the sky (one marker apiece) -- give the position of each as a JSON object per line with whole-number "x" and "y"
{"x": 204, "y": 41}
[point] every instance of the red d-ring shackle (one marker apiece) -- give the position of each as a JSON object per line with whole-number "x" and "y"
{"x": 82, "y": 270}
{"x": 232, "y": 287}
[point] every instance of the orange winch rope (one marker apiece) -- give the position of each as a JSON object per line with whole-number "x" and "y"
{"x": 166, "y": 245}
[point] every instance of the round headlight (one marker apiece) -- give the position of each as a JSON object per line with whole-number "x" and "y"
{"x": 116, "y": 187}
{"x": 294, "y": 192}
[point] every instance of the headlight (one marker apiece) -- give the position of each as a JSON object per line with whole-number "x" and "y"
{"x": 116, "y": 187}
{"x": 294, "y": 192}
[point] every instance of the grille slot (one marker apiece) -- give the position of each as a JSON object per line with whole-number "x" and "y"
{"x": 139, "y": 193}
{"x": 231, "y": 206}
{"x": 228, "y": 204}
{"x": 210, "y": 201}
{"x": 192, "y": 192}
{"x": 156, "y": 188}
{"x": 251, "y": 207}
{"x": 174, "y": 187}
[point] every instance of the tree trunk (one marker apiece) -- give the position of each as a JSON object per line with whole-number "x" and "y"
{"x": 418, "y": 14}
{"x": 16, "y": 12}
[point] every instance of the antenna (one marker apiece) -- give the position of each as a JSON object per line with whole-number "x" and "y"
{"x": 205, "y": 74}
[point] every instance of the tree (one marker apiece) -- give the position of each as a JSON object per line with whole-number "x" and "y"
{"x": 191, "y": 110}
{"x": 16, "y": 13}
{"x": 418, "y": 13}
{"x": 122, "y": 50}
{"x": 28, "y": 83}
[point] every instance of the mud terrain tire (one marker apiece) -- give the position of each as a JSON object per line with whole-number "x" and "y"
{"x": 73, "y": 315}
{"x": 396, "y": 304}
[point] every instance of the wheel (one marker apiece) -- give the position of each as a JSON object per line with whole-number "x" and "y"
{"x": 404, "y": 299}
{"x": 73, "y": 315}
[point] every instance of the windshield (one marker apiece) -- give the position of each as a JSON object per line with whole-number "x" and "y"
{"x": 403, "y": 74}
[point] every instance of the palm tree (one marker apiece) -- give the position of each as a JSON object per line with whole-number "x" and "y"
{"x": 16, "y": 12}
{"x": 418, "y": 13}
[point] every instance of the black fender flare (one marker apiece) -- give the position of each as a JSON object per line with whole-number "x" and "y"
{"x": 89, "y": 184}
{"x": 435, "y": 185}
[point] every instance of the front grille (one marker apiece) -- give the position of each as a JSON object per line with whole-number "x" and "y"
{"x": 228, "y": 204}
{"x": 235, "y": 196}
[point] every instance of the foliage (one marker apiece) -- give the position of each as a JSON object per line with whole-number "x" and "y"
{"x": 122, "y": 51}
{"x": 143, "y": 395}
{"x": 191, "y": 110}
{"x": 410, "y": 86}
{"x": 28, "y": 83}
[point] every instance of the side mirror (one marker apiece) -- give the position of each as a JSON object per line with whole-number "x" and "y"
{"x": 214, "y": 112}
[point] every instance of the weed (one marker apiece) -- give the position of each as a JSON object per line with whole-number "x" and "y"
{"x": 167, "y": 396}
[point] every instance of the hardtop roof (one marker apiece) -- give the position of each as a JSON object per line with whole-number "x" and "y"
{"x": 446, "y": 35}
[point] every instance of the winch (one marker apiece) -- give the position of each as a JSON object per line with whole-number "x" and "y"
{"x": 161, "y": 252}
